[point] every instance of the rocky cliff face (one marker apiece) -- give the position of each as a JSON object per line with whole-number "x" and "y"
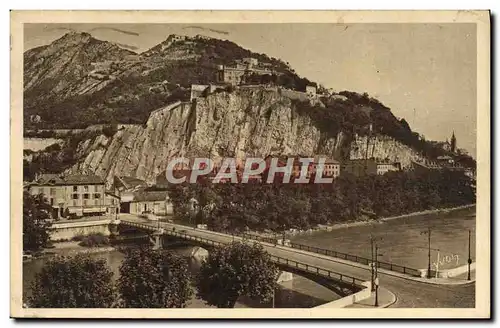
{"x": 243, "y": 124}
{"x": 383, "y": 147}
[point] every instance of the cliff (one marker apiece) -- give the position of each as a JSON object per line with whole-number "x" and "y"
{"x": 243, "y": 123}
{"x": 382, "y": 147}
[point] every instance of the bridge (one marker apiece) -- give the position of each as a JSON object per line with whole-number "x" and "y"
{"x": 310, "y": 265}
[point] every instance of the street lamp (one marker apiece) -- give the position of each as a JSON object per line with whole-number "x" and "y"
{"x": 428, "y": 232}
{"x": 469, "y": 261}
{"x": 377, "y": 254}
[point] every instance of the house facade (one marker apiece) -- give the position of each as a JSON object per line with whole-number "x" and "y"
{"x": 331, "y": 167}
{"x": 75, "y": 195}
{"x": 151, "y": 202}
{"x": 361, "y": 167}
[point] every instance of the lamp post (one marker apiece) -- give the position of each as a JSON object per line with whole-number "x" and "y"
{"x": 376, "y": 274}
{"x": 469, "y": 261}
{"x": 371, "y": 264}
{"x": 274, "y": 296}
{"x": 428, "y": 232}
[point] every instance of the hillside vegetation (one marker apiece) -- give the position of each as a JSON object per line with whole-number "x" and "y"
{"x": 77, "y": 80}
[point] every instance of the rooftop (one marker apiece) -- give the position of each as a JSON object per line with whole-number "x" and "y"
{"x": 131, "y": 182}
{"x": 71, "y": 179}
{"x": 149, "y": 196}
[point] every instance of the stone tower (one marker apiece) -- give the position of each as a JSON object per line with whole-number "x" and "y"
{"x": 453, "y": 143}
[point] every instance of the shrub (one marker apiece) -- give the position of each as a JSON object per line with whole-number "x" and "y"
{"x": 73, "y": 282}
{"x": 78, "y": 237}
{"x": 154, "y": 279}
{"x": 94, "y": 240}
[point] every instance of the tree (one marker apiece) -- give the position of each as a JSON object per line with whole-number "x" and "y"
{"x": 36, "y": 221}
{"x": 73, "y": 282}
{"x": 154, "y": 279}
{"x": 235, "y": 270}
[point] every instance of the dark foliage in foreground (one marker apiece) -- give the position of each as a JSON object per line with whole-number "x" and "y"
{"x": 236, "y": 270}
{"x": 73, "y": 282}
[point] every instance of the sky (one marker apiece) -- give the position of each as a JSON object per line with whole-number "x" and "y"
{"x": 426, "y": 73}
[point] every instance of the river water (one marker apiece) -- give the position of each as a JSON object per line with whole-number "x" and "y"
{"x": 405, "y": 241}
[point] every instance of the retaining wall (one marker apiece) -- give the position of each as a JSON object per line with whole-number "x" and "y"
{"x": 448, "y": 273}
{"x": 68, "y": 230}
{"x": 350, "y": 299}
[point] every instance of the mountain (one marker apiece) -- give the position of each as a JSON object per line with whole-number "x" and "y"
{"x": 77, "y": 80}
{"x": 63, "y": 68}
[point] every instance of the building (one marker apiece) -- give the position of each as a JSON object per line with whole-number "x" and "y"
{"x": 230, "y": 75}
{"x": 201, "y": 90}
{"x": 150, "y": 202}
{"x": 236, "y": 73}
{"x": 176, "y": 38}
{"x": 386, "y": 166}
{"x": 75, "y": 195}
{"x": 250, "y": 61}
{"x": 331, "y": 167}
{"x": 445, "y": 160}
{"x": 124, "y": 183}
{"x": 453, "y": 143}
{"x": 361, "y": 167}
{"x": 311, "y": 90}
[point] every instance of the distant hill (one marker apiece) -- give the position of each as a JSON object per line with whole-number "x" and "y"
{"x": 78, "y": 80}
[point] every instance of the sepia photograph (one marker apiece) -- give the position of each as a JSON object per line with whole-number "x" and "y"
{"x": 277, "y": 164}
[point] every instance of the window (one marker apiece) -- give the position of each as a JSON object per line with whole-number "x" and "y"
{"x": 74, "y": 202}
{"x": 34, "y": 190}
{"x": 96, "y": 201}
{"x": 84, "y": 202}
{"x": 96, "y": 196}
{"x": 52, "y": 201}
{"x": 52, "y": 191}
{"x": 42, "y": 190}
{"x": 86, "y": 196}
{"x": 75, "y": 188}
{"x": 86, "y": 188}
{"x": 75, "y": 196}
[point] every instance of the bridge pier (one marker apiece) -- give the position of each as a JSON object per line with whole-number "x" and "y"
{"x": 199, "y": 253}
{"x": 113, "y": 228}
{"x": 284, "y": 276}
{"x": 157, "y": 239}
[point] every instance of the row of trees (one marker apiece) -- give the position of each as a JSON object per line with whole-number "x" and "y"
{"x": 260, "y": 206}
{"x": 155, "y": 279}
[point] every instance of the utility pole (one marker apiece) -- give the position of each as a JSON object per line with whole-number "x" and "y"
{"x": 371, "y": 264}
{"x": 428, "y": 232}
{"x": 429, "y": 255}
{"x": 376, "y": 275}
{"x": 469, "y": 261}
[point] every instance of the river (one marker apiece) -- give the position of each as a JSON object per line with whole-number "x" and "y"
{"x": 404, "y": 241}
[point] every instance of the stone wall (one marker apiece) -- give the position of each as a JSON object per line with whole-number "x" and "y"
{"x": 68, "y": 230}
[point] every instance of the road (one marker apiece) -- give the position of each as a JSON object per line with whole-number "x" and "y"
{"x": 409, "y": 293}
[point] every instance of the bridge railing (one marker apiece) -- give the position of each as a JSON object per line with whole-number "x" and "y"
{"x": 349, "y": 257}
{"x": 323, "y": 251}
{"x": 279, "y": 260}
{"x": 319, "y": 271}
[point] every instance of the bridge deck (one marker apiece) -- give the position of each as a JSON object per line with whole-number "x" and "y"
{"x": 288, "y": 259}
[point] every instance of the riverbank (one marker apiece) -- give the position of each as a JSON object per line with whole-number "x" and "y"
{"x": 351, "y": 224}
{"x": 68, "y": 248}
